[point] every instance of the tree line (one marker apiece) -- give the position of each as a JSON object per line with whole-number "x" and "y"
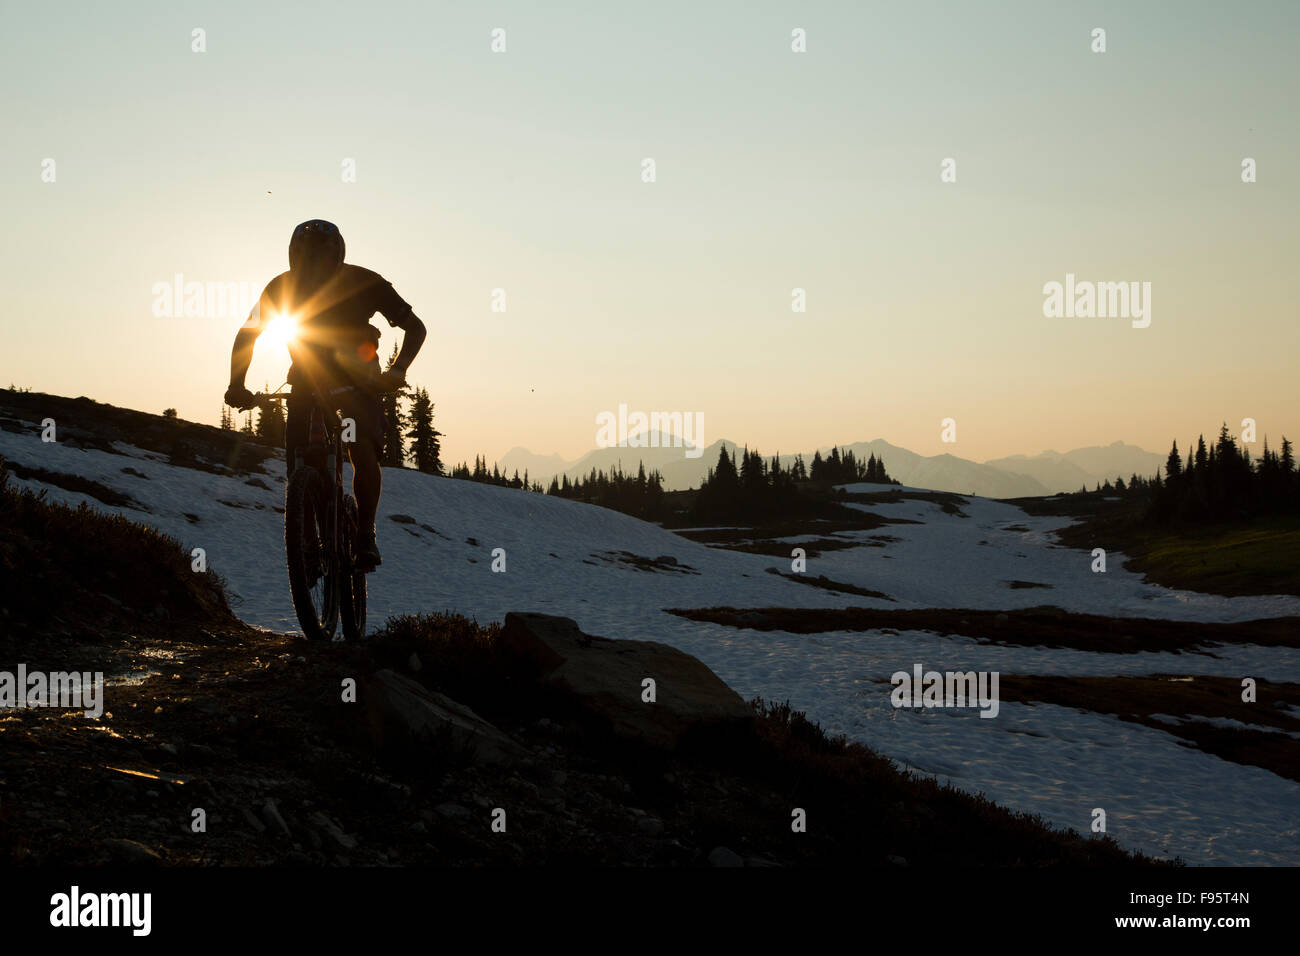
{"x": 842, "y": 468}
{"x": 496, "y": 476}
{"x": 1216, "y": 481}
{"x": 746, "y": 487}
{"x": 641, "y": 496}
{"x": 1220, "y": 482}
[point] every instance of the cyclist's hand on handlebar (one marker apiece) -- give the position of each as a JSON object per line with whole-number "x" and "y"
{"x": 237, "y": 396}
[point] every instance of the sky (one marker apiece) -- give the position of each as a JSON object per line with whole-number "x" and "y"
{"x": 775, "y": 170}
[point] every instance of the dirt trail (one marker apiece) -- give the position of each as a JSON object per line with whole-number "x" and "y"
{"x": 250, "y": 727}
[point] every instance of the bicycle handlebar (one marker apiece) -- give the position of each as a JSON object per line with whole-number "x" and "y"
{"x": 265, "y": 399}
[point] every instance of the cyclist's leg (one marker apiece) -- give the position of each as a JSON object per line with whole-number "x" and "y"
{"x": 367, "y": 478}
{"x": 296, "y": 421}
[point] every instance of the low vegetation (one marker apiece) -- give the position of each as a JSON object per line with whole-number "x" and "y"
{"x": 78, "y": 564}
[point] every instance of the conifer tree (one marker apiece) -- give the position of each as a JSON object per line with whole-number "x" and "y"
{"x": 395, "y": 422}
{"x": 425, "y": 446}
{"x": 1174, "y": 464}
{"x": 270, "y": 421}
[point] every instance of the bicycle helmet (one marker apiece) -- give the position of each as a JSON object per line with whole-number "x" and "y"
{"x": 316, "y": 247}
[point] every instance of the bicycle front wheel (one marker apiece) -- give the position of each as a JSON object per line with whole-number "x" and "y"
{"x": 313, "y": 566}
{"x": 352, "y": 583}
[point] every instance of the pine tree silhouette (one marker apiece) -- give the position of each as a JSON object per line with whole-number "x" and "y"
{"x": 270, "y": 421}
{"x": 1174, "y": 464}
{"x": 425, "y": 446}
{"x": 395, "y": 423}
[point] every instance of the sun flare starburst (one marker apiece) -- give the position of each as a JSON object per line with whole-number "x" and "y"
{"x": 281, "y": 329}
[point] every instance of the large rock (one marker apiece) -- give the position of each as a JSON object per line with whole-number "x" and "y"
{"x": 603, "y": 679}
{"x": 404, "y": 710}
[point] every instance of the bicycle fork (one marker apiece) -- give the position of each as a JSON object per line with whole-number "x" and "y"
{"x": 318, "y": 439}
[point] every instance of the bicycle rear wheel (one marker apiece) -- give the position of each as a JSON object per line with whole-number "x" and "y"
{"x": 313, "y": 567}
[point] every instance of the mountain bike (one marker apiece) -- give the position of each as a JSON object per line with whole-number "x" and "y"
{"x": 321, "y": 531}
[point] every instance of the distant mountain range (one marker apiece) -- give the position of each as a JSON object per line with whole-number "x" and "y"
{"x": 1012, "y": 477}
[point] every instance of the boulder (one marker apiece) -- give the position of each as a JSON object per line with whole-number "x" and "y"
{"x": 130, "y": 852}
{"x": 722, "y": 856}
{"x": 329, "y": 827}
{"x": 602, "y": 678}
{"x": 402, "y": 709}
{"x": 273, "y": 819}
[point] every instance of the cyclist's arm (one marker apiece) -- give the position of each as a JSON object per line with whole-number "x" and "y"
{"x": 385, "y": 300}
{"x": 241, "y": 354}
{"x": 413, "y": 334}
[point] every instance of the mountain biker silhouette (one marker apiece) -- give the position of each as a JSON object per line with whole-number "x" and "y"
{"x": 334, "y": 354}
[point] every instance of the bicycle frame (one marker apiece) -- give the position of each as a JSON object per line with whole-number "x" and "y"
{"x": 324, "y": 451}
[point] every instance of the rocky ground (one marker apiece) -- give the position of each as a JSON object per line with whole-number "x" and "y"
{"x": 251, "y": 728}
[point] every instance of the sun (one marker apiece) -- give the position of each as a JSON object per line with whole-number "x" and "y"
{"x": 281, "y": 329}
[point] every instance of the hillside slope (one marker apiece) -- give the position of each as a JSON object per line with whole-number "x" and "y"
{"x": 617, "y": 576}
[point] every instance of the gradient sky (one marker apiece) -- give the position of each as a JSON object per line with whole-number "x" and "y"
{"x": 775, "y": 170}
